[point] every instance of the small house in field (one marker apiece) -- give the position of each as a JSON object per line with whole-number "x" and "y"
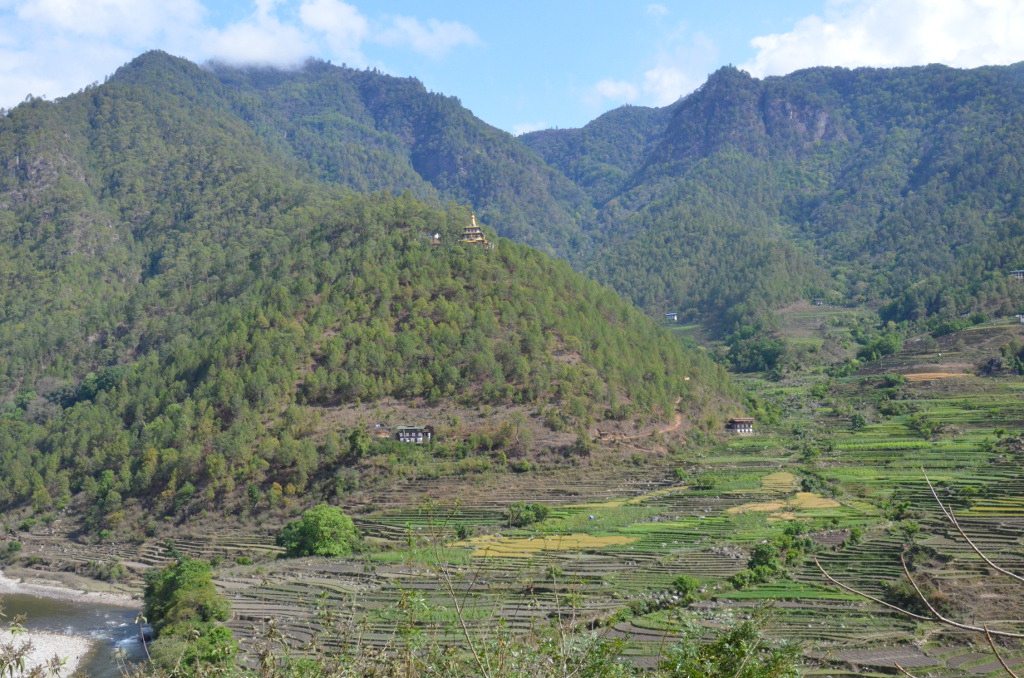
{"x": 414, "y": 434}
{"x": 743, "y": 426}
{"x": 672, "y": 317}
{"x": 1019, "y": 274}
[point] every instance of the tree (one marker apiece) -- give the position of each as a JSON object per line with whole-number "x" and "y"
{"x": 184, "y": 607}
{"x": 358, "y": 443}
{"x": 687, "y": 586}
{"x": 181, "y": 593}
{"x": 521, "y": 514}
{"x": 322, "y": 531}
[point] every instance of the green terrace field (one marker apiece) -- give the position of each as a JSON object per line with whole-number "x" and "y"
{"x": 620, "y": 531}
{"x": 618, "y": 536}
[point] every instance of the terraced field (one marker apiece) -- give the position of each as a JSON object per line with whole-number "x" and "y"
{"x": 619, "y": 533}
{"x": 595, "y": 555}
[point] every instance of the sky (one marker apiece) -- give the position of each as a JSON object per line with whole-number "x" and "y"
{"x": 519, "y": 65}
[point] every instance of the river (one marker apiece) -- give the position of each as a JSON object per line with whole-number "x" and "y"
{"x": 109, "y": 627}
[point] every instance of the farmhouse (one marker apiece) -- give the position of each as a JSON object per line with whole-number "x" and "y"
{"x": 672, "y": 317}
{"x": 414, "y": 434}
{"x": 741, "y": 425}
{"x": 1018, "y": 274}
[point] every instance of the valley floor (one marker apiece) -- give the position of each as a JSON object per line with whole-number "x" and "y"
{"x": 621, "y": 532}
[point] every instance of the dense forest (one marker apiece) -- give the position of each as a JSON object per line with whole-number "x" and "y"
{"x": 180, "y": 299}
{"x": 194, "y": 258}
{"x": 895, "y": 187}
{"x": 898, "y": 187}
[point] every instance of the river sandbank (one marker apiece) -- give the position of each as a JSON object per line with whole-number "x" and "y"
{"x": 55, "y": 590}
{"x": 45, "y": 645}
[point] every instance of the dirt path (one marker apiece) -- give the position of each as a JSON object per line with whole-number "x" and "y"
{"x": 677, "y": 422}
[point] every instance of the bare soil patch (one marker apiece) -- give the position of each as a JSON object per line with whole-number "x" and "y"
{"x": 496, "y": 545}
{"x": 930, "y": 376}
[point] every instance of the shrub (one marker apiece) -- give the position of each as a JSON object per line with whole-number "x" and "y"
{"x": 764, "y": 555}
{"x": 705, "y": 481}
{"x": 882, "y": 345}
{"x": 737, "y": 652}
{"x": 894, "y": 380}
{"x": 743, "y": 579}
{"x": 521, "y": 514}
{"x": 687, "y": 587}
{"x": 322, "y": 531}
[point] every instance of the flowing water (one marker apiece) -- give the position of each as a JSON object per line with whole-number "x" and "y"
{"x": 110, "y": 628}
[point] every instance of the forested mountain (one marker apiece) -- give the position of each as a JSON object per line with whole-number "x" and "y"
{"x": 371, "y": 132}
{"x": 190, "y": 256}
{"x": 603, "y": 156}
{"x": 899, "y": 187}
{"x": 884, "y": 185}
{"x": 183, "y": 289}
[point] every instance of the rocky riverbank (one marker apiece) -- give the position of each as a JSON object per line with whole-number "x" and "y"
{"x": 49, "y": 589}
{"x": 42, "y": 646}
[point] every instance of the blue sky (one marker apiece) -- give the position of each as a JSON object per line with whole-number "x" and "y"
{"x": 519, "y": 65}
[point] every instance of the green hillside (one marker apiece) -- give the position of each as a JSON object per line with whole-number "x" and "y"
{"x": 371, "y": 132}
{"x": 887, "y": 186}
{"x": 194, "y": 238}
{"x": 183, "y": 303}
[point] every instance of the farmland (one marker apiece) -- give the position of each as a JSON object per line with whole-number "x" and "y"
{"x": 623, "y": 526}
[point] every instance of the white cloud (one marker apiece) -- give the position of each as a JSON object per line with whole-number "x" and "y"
{"x": 680, "y": 65}
{"x": 615, "y": 91}
{"x": 53, "y": 47}
{"x": 657, "y": 10}
{"x": 664, "y": 84}
{"x": 435, "y": 39}
{"x": 261, "y": 40}
{"x": 962, "y": 33}
{"x": 135, "y": 20}
{"x": 342, "y": 25}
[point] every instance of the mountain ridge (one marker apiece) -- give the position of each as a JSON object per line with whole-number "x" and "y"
{"x": 182, "y": 302}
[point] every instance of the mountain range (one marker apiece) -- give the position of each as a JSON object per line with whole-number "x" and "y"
{"x": 190, "y": 253}
{"x": 897, "y": 187}
{"x": 200, "y": 269}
